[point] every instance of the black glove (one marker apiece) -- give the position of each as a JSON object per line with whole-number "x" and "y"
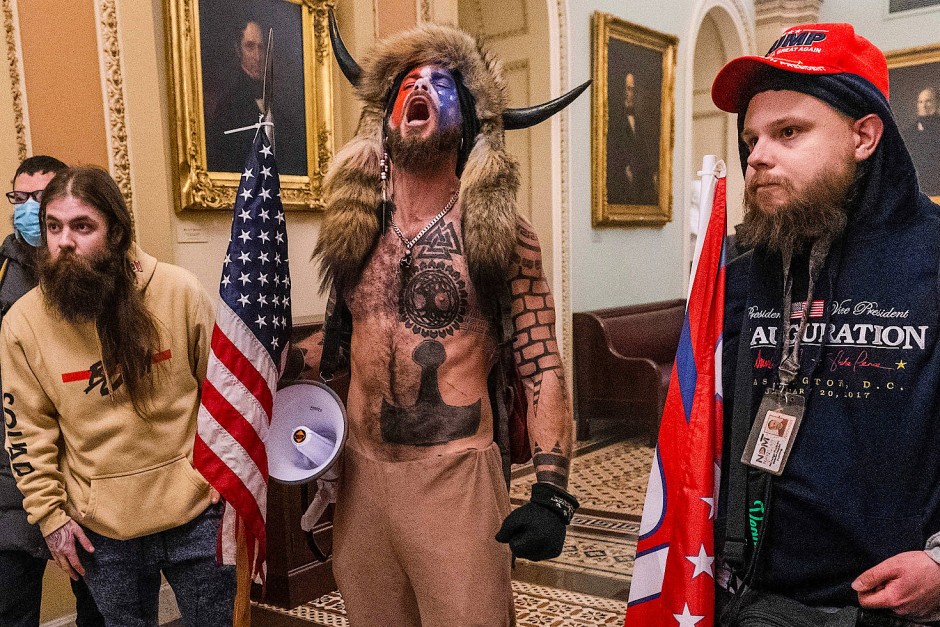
{"x": 536, "y": 531}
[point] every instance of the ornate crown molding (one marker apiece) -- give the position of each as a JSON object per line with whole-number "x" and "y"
{"x": 786, "y": 11}
{"x": 16, "y": 78}
{"x": 112, "y": 78}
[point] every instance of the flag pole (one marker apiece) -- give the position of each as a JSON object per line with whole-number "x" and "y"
{"x": 713, "y": 168}
{"x": 241, "y": 612}
{"x": 674, "y": 568}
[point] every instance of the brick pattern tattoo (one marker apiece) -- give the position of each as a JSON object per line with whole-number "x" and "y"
{"x": 538, "y": 362}
{"x": 551, "y": 467}
{"x": 533, "y": 315}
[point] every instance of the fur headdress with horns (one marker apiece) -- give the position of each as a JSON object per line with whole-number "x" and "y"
{"x": 489, "y": 181}
{"x": 489, "y": 178}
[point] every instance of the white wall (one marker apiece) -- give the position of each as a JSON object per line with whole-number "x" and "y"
{"x": 870, "y": 18}
{"x": 613, "y": 266}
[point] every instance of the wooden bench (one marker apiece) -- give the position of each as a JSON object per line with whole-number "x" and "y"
{"x": 623, "y": 360}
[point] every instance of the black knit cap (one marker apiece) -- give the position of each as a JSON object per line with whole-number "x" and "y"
{"x": 850, "y": 94}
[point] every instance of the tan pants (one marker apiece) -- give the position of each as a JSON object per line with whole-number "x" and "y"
{"x": 413, "y": 541}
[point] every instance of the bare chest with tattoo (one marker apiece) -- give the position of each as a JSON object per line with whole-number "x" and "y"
{"x": 421, "y": 349}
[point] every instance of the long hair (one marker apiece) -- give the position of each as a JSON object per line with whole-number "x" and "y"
{"x": 126, "y": 328}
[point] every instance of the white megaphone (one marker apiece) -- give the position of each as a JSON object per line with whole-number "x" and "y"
{"x": 307, "y": 432}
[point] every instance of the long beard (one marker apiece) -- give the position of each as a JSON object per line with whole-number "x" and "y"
{"x": 79, "y": 289}
{"x": 103, "y": 290}
{"x": 819, "y": 213}
{"x": 422, "y": 153}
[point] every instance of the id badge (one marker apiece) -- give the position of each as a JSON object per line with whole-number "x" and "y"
{"x": 774, "y": 431}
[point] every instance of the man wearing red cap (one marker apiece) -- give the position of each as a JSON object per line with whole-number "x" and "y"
{"x": 831, "y": 321}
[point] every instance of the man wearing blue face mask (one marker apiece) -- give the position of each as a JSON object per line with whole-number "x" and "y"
{"x": 23, "y": 551}
{"x": 17, "y": 255}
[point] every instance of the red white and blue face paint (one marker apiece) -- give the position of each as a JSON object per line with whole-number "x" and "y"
{"x": 427, "y": 92}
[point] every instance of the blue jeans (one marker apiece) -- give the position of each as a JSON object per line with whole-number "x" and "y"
{"x": 21, "y": 592}
{"x": 124, "y": 575}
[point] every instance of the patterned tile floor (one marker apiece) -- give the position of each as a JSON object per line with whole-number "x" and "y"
{"x": 536, "y": 606}
{"x": 610, "y": 483}
{"x": 588, "y": 584}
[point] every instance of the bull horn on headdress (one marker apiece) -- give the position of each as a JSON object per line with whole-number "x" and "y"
{"x": 515, "y": 119}
{"x": 347, "y": 64}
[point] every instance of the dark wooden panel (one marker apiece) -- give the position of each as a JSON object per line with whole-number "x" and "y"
{"x": 622, "y": 363}
{"x": 297, "y": 570}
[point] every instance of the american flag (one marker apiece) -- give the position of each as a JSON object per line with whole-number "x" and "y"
{"x": 251, "y": 333}
{"x": 674, "y": 575}
{"x": 815, "y": 310}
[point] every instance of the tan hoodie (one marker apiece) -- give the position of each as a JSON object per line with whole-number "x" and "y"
{"x": 78, "y": 449}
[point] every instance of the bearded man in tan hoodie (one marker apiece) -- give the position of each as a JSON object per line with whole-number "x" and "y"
{"x": 102, "y": 368}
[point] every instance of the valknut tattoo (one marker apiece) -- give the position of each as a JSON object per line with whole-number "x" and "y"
{"x": 441, "y": 242}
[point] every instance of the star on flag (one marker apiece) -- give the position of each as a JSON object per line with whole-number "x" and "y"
{"x": 686, "y": 618}
{"x": 703, "y": 562}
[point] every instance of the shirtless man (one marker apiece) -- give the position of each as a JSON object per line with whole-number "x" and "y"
{"x": 415, "y": 312}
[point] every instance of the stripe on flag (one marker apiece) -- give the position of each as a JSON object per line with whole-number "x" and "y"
{"x": 816, "y": 310}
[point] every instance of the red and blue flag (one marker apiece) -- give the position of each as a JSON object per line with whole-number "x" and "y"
{"x": 674, "y": 574}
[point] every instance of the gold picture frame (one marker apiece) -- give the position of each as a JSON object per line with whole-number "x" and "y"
{"x": 631, "y": 146}
{"x": 911, "y": 72}
{"x": 191, "y": 69}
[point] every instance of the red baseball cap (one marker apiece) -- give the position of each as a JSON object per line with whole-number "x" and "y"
{"x": 813, "y": 49}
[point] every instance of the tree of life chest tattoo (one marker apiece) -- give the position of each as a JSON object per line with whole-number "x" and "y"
{"x": 430, "y": 420}
{"x": 434, "y": 299}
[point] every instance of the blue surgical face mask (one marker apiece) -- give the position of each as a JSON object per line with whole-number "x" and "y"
{"x": 26, "y": 222}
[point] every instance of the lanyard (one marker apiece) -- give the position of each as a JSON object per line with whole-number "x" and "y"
{"x": 742, "y": 484}
{"x": 790, "y": 355}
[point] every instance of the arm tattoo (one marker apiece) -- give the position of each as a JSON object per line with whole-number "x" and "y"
{"x": 538, "y": 362}
{"x": 533, "y": 311}
{"x": 551, "y": 467}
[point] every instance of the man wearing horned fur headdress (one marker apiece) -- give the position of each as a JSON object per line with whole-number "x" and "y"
{"x": 429, "y": 266}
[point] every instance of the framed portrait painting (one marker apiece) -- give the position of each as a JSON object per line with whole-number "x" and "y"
{"x": 632, "y": 123}
{"x": 216, "y": 58}
{"x": 914, "y": 76}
